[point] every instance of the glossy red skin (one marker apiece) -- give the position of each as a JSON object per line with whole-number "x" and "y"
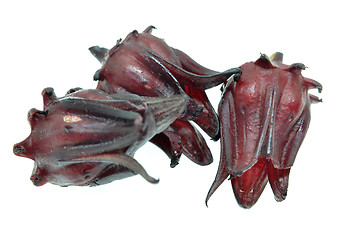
{"x": 264, "y": 118}
{"x": 145, "y": 65}
{"x": 182, "y": 137}
{"x": 89, "y": 137}
{"x": 194, "y": 145}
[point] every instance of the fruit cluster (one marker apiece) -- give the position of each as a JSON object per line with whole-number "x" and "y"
{"x": 149, "y": 91}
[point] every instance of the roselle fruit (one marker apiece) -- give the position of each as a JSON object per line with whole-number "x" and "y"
{"x": 264, "y": 117}
{"x": 145, "y": 65}
{"x": 89, "y": 137}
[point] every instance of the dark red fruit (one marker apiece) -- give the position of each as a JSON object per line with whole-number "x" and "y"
{"x": 264, "y": 118}
{"x": 145, "y": 65}
{"x": 89, "y": 137}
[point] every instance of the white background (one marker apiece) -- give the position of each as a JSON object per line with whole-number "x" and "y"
{"x": 46, "y": 44}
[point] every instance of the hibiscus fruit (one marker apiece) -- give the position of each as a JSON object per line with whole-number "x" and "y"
{"x": 89, "y": 137}
{"x": 264, "y": 116}
{"x": 145, "y": 65}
